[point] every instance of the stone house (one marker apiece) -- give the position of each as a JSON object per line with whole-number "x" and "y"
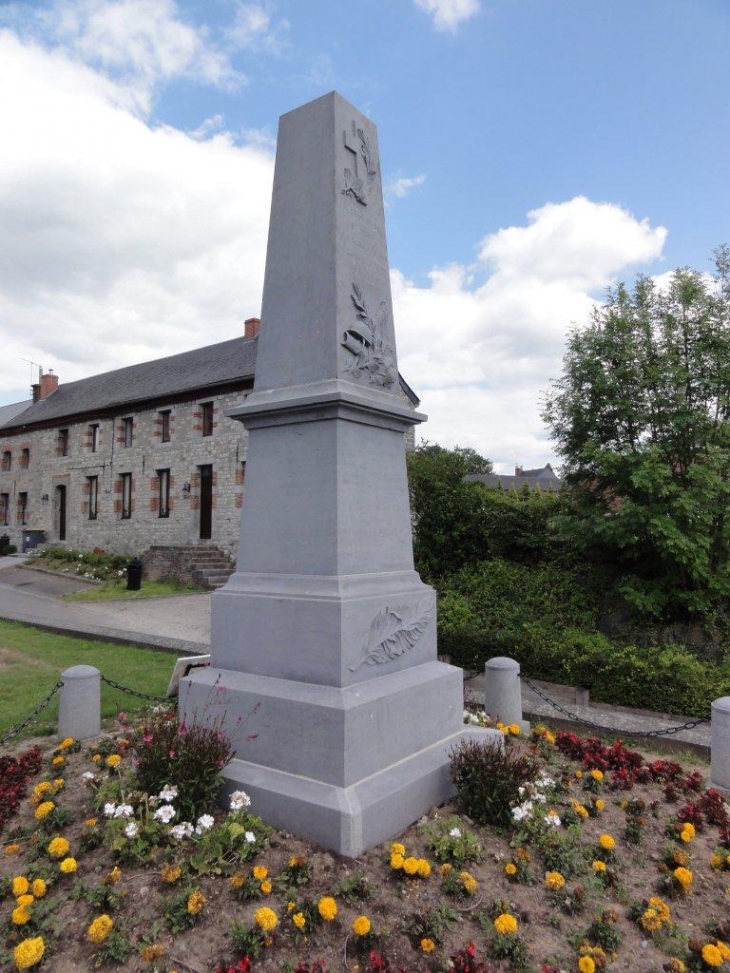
{"x": 140, "y": 457}
{"x": 544, "y": 479}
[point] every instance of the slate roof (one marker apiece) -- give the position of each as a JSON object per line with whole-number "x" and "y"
{"x": 8, "y": 412}
{"x": 544, "y": 479}
{"x": 222, "y": 364}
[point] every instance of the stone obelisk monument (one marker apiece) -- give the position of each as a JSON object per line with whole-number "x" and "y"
{"x": 324, "y": 641}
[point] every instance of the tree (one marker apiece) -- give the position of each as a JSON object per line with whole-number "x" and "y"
{"x": 640, "y": 416}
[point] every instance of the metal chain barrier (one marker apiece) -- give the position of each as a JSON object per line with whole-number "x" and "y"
{"x": 689, "y": 725}
{"x": 14, "y": 731}
{"x": 133, "y": 692}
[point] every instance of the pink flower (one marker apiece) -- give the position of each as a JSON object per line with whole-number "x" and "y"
{"x": 147, "y": 739}
{"x": 171, "y": 753}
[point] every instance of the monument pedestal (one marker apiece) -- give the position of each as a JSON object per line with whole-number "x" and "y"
{"x": 323, "y": 644}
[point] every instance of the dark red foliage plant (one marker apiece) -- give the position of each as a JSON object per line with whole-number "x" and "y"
{"x": 465, "y": 961}
{"x": 14, "y": 774}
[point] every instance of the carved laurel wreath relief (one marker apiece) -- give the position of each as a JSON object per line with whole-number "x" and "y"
{"x": 393, "y": 632}
{"x": 372, "y": 355}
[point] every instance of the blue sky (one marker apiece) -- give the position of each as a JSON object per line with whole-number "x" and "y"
{"x": 533, "y": 153}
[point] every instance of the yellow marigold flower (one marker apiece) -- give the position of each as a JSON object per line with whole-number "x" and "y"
{"x": 578, "y": 774}
{"x": 260, "y": 872}
{"x": 290, "y": 906}
{"x": 20, "y": 885}
{"x": 266, "y": 919}
{"x": 650, "y": 921}
{"x": 58, "y": 761}
{"x": 661, "y": 908}
{"x": 711, "y": 955}
{"x": 196, "y": 903}
{"x": 579, "y": 809}
{"x": 398, "y": 849}
{"x": 100, "y": 929}
{"x": 297, "y": 861}
{"x": 550, "y": 736}
{"x": 607, "y": 842}
{"x": 113, "y": 760}
{"x": 410, "y": 865}
{"x": 684, "y": 877}
{"x": 40, "y": 790}
{"x": 446, "y": 869}
{"x": 686, "y": 836}
{"x": 468, "y": 882}
{"x": 38, "y": 888}
{"x": 675, "y": 965}
{"x": 396, "y": 861}
{"x": 66, "y": 743}
{"x": 299, "y": 920}
{"x": 505, "y": 924}
{"x": 586, "y": 964}
{"x": 599, "y": 805}
{"x": 150, "y": 953}
{"x": 554, "y": 881}
{"x": 25, "y": 900}
{"x": 597, "y": 774}
{"x": 361, "y": 926}
{"x": 68, "y": 866}
{"x": 171, "y": 873}
{"x": 114, "y": 875}
{"x": 96, "y": 758}
{"x": 12, "y": 849}
{"x": 237, "y": 881}
{"x": 29, "y": 952}
{"x": 59, "y": 783}
{"x": 266, "y": 886}
{"x": 424, "y": 868}
{"x": 91, "y": 822}
{"x": 327, "y": 908}
{"x": 515, "y": 729}
{"x": 427, "y": 945}
{"x": 20, "y": 915}
{"x": 510, "y": 868}
{"x": 724, "y": 949}
{"x": 58, "y": 847}
{"x": 716, "y": 861}
{"x": 44, "y": 809}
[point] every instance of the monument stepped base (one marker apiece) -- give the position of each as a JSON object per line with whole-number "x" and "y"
{"x": 352, "y": 819}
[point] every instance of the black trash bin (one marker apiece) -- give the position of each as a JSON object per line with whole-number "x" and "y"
{"x": 134, "y": 575}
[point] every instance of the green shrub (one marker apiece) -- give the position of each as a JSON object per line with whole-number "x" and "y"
{"x": 97, "y": 565}
{"x": 487, "y": 778}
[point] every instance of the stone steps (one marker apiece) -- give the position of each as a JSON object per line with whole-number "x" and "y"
{"x": 212, "y": 572}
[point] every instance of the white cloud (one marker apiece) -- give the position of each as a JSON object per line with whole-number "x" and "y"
{"x": 118, "y": 239}
{"x": 254, "y": 29}
{"x": 480, "y": 355}
{"x": 448, "y": 14}
{"x": 400, "y": 187}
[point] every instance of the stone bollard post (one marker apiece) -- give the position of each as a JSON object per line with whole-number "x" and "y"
{"x": 720, "y": 744}
{"x": 79, "y": 709}
{"x": 503, "y": 692}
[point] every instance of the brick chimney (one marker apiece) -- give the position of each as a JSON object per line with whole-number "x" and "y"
{"x": 251, "y": 328}
{"x": 49, "y": 383}
{"x": 36, "y": 392}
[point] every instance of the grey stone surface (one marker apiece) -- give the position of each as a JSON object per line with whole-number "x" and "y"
{"x": 720, "y": 759}
{"x": 502, "y": 690}
{"x": 79, "y": 707}
{"x": 324, "y": 640}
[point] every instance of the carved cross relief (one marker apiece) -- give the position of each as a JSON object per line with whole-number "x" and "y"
{"x": 358, "y": 145}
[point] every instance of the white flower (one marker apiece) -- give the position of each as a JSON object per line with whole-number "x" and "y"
{"x": 168, "y": 793}
{"x": 205, "y": 823}
{"x": 165, "y": 813}
{"x": 109, "y": 810}
{"x": 454, "y": 833}
{"x": 131, "y": 830}
{"x": 239, "y": 800}
{"x": 181, "y": 831}
{"x": 553, "y": 819}
{"x": 540, "y": 798}
{"x": 89, "y": 775}
{"x": 250, "y": 837}
{"x": 124, "y": 811}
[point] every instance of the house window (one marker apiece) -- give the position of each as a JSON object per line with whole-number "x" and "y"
{"x": 24, "y": 459}
{"x": 207, "y": 410}
{"x": 4, "y": 508}
{"x": 63, "y": 442}
{"x": 163, "y": 507}
{"x": 93, "y": 482}
{"x": 126, "y": 496}
{"x": 127, "y": 431}
{"x": 23, "y": 508}
{"x": 165, "y": 426}
{"x": 94, "y": 437}
{"x": 7, "y": 460}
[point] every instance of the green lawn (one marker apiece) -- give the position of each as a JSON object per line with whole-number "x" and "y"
{"x": 31, "y": 662}
{"x": 149, "y": 589}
